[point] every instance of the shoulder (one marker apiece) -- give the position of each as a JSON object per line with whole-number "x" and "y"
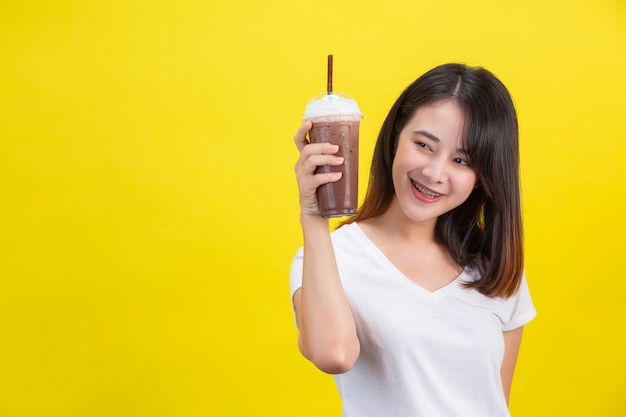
{"x": 521, "y": 307}
{"x": 344, "y": 238}
{"x": 346, "y": 235}
{"x": 513, "y": 312}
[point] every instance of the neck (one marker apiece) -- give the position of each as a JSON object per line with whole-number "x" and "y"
{"x": 396, "y": 223}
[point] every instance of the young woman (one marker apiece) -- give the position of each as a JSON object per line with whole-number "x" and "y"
{"x": 417, "y": 304}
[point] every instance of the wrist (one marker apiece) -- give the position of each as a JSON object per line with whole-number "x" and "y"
{"x": 313, "y": 220}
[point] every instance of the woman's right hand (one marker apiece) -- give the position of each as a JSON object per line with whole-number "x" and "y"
{"x": 313, "y": 155}
{"x": 327, "y": 331}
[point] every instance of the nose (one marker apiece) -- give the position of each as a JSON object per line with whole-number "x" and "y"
{"x": 436, "y": 170}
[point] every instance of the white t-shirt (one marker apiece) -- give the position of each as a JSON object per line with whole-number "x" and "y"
{"x": 423, "y": 354}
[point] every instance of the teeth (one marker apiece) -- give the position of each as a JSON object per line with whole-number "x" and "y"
{"x": 424, "y": 191}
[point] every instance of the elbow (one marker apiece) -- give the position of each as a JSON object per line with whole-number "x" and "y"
{"x": 335, "y": 358}
{"x": 334, "y": 365}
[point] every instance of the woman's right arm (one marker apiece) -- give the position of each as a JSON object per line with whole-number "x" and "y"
{"x": 327, "y": 331}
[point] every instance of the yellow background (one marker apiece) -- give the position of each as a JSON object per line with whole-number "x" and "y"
{"x": 149, "y": 208}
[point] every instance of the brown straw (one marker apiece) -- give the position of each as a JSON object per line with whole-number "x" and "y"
{"x": 329, "y": 84}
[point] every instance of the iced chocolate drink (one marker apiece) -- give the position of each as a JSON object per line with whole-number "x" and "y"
{"x": 336, "y": 118}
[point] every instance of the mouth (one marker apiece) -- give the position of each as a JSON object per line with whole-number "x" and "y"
{"x": 425, "y": 191}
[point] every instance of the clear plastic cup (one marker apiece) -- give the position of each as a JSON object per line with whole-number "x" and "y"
{"x": 336, "y": 119}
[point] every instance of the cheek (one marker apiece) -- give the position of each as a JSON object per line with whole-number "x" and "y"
{"x": 468, "y": 182}
{"x": 405, "y": 159}
{"x": 472, "y": 183}
{"x": 396, "y": 169}
{"x": 395, "y": 174}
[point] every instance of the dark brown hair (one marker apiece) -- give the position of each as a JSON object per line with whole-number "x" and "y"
{"x": 485, "y": 232}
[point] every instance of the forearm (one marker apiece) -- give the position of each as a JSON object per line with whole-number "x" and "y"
{"x": 327, "y": 328}
{"x": 512, "y": 342}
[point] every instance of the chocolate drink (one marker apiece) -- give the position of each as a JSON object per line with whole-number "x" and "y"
{"x": 336, "y": 118}
{"x": 339, "y": 198}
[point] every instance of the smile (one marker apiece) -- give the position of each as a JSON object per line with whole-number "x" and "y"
{"x": 425, "y": 191}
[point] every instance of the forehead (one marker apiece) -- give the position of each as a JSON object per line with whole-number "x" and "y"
{"x": 447, "y": 106}
{"x": 444, "y": 119}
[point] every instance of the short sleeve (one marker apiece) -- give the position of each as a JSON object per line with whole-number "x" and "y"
{"x": 521, "y": 308}
{"x": 295, "y": 273}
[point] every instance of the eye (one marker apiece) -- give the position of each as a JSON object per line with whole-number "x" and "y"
{"x": 423, "y": 145}
{"x": 461, "y": 161}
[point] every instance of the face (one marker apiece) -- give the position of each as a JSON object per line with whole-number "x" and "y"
{"x": 431, "y": 171}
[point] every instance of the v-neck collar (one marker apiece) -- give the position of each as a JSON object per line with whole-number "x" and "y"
{"x": 401, "y": 277}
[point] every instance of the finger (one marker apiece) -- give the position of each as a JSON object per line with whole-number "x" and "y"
{"x": 300, "y": 137}
{"x": 320, "y": 179}
{"x": 309, "y": 185}
{"x": 315, "y": 149}
{"x": 306, "y": 166}
{"x": 318, "y": 149}
{"x": 329, "y": 177}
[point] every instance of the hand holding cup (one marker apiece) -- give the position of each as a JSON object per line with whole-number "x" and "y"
{"x": 312, "y": 156}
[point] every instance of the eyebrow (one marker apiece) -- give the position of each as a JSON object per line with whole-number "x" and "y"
{"x": 436, "y": 139}
{"x": 427, "y": 134}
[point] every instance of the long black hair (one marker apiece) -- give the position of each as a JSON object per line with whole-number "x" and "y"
{"x": 485, "y": 232}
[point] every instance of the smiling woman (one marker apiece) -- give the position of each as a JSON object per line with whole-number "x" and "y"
{"x": 150, "y": 211}
{"x": 418, "y": 302}
{"x": 428, "y": 162}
